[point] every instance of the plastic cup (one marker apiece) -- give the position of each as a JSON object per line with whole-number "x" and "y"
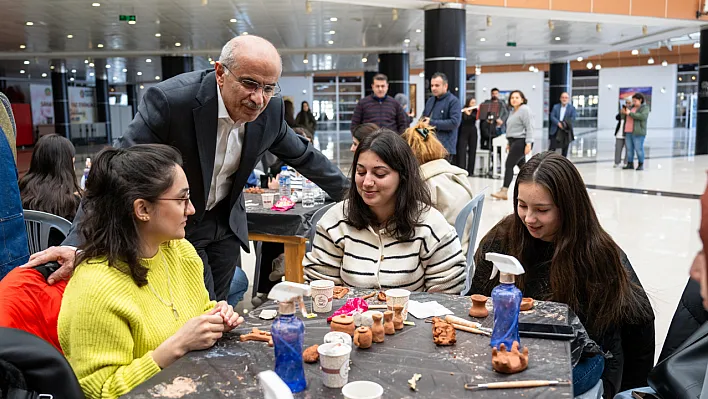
{"x": 362, "y": 390}
{"x": 322, "y": 292}
{"x": 398, "y": 296}
{"x": 334, "y": 362}
{"x": 267, "y": 199}
{"x": 338, "y": 337}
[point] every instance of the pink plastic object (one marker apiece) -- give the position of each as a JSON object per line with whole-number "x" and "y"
{"x": 283, "y": 205}
{"x": 352, "y": 305}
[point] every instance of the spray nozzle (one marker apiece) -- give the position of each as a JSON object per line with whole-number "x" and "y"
{"x": 287, "y": 294}
{"x": 506, "y": 265}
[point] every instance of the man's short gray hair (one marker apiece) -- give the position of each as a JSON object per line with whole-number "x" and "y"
{"x": 228, "y": 52}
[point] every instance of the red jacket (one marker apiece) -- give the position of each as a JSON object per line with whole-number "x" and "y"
{"x": 28, "y": 303}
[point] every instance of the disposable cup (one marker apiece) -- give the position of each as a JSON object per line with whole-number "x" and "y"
{"x": 334, "y": 362}
{"x": 362, "y": 390}
{"x": 267, "y": 199}
{"x": 398, "y": 296}
{"x": 338, "y": 337}
{"x": 322, "y": 292}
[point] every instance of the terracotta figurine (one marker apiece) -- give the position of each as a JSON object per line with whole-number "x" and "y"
{"x": 310, "y": 355}
{"x": 377, "y": 330}
{"x": 479, "y": 306}
{"x": 362, "y": 337}
{"x": 512, "y": 361}
{"x": 340, "y": 292}
{"x": 389, "y": 329}
{"x": 526, "y": 304}
{"x": 343, "y": 323}
{"x": 257, "y": 335}
{"x": 443, "y": 332}
{"x": 398, "y": 317}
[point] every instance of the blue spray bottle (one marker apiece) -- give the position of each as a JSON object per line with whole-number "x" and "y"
{"x": 506, "y": 299}
{"x": 289, "y": 334}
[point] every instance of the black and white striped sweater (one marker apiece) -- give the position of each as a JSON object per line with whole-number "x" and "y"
{"x": 430, "y": 261}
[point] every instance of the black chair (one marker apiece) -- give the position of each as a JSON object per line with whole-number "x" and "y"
{"x": 31, "y": 368}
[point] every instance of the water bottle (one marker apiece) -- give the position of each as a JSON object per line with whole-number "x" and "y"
{"x": 506, "y": 299}
{"x": 308, "y": 194}
{"x": 319, "y": 196}
{"x": 284, "y": 182}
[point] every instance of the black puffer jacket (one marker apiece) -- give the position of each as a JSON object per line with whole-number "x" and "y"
{"x": 689, "y": 316}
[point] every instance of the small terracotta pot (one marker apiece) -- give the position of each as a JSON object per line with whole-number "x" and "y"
{"x": 389, "y": 329}
{"x": 479, "y": 306}
{"x": 526, "y": 304}
{"x": 363, "y": 337}
{"x": 343, "y": 323}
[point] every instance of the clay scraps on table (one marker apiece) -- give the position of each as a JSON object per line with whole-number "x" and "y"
{"x": 179, "y": 387}
{"x": 340, "y": 292}
{"x": 413, "y": 381}
{"x": 512, "y": 361}
{"x": 443, "y": 332}
{"x": 382, "y": 296}
{"x": 257, "y": 335}
{"x": 310, "y": 355}
{"x": 367, "y": 296}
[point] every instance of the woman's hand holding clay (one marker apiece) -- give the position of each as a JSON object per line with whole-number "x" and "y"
{"x": 231, "y": 318}
{"x": 198, "y": 333}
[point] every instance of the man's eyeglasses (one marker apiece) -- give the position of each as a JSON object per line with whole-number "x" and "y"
{"x": 184, "y": 199}
{"x": 253, "y": 86}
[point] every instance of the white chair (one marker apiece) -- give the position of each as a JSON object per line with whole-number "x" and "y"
{"x": 473, "y": 208}
{"x": 39, "y": 225}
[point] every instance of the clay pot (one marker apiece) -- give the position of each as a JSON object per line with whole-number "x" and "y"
{"x": 479, "y": 306}
{"x": 363, "y": 337}
{"x": 377, "y": 330}
{"x": 343, "y": 323}
{"x": 389, "y": 329}
{"x": 526, "y": 304}
{"x": 398, "y": 317}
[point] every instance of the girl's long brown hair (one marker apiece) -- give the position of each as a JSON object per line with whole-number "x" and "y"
{"x": 586, "y": 270}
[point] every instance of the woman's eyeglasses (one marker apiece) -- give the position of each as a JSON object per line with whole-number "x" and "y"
{"x": 185, "y": 200}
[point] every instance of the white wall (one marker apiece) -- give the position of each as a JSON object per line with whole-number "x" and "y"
{"x": 299, "y": 88}
{"x": 663, "y": 105}
{"x": 530, "y": 83}
{"x": 420, "y": 94}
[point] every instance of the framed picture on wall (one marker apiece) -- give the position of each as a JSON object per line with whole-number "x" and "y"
{"x": 412, "y": 98}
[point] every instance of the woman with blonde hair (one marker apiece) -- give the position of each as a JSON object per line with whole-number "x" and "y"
{"x": 449, "y": 186}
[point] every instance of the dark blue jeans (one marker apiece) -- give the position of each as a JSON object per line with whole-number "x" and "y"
{"x": 587, "y": 373}
{"x": 13, "y": 237}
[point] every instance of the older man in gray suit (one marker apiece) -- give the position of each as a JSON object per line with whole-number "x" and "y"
{"x": 222, "y": 121}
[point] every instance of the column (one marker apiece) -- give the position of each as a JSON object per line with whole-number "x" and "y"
{"x": 132, "y": 92}
{"x": 175, "y": 65}
{"x": 368, "y": 81}
{"x": 559, "y": 81}
{"x": 103, "y": 110}
{"x": 702, "y": 116}
{"x": 396, "y": 66}
{"x": 445, "y": 45}
{"x": 60, "y": 96}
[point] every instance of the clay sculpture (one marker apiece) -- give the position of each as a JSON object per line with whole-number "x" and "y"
{"x": 526, "y": 304}
{"x": 377, "y": 330}
{"x": 389, "y": 329}
{"x": 479, "y": 306}
{"x": 340, "y": 292}
{"x": 363, "y": 337}
{"x": 369, "y": 295}
{"x": 343, "y": 323}
{"x": 257, "y": 335}
{"x": 310, "y": 355}
{"x": 382, "y": 296}
{"x": 398, "y": 317}
{"x": 443, "y": 332}
{"x": 512, "y": 361}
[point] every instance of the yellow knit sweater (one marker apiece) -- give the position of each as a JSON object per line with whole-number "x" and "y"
{"x": 108, "y": 326}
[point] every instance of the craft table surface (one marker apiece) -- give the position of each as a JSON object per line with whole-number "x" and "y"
{"x": 229, "y": 369}
{"x": 293, "y": 222}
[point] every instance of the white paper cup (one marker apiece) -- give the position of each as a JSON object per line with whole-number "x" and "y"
{"x": 338, "y": 337}
{"x": 334, "y": 362}
{"x": 362, "y": 390}
{"x": 322, "y": 292}
{"x": 398, "y": 296}
{"x": 267, "y": 199}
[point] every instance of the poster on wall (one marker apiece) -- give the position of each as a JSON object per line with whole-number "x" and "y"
{"x": 81, "y": 105}
{"x": 627, "y": 93}
{"x": 42, "y": 104}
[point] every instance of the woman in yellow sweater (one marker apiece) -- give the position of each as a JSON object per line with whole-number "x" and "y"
{"x": 136, "y": 302}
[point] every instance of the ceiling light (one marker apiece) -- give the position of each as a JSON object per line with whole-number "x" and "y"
{"x": 44, "y": 75}
{"x": 245, "y": 33}
{"x": 364, "y": 59}
{"x": 22, "y": 46}
{"x": 531, "y": 68}
{"x": 696, "y": 45}
{"x": 558, "y": 38}
{"x": 663, "y": 90}
{"x": 69, "y": 36}
{"x": 693, "y": 77}
{"x": 115, "y": 78}
{"x": 142, "y": 87}
{"x": 22, "y": 71}
{"x": 85, "y": 61}
{"x": 157, "y": 35}
{"x": 131, "y": 22}
{"x": 99, "y": 45}
{"x": 330, "y": 41}
{"x": 73, "y": 71}
{"x": 598, "y": 67}
{"x": 535, "y": 69}
{"x": 178, "y": 44}
{"x": 91, "y": 74}
{"x": 635, "y": 52}
{"x": 108, "y": 66}
{"x": 233, "y": 20}
{"x": 157, "y": 77}
{"x": 305, "y": 61}
{"x": 422, "y": 74}
{"x": 333, "y": 19}
{"x": 650, "y": 61}
{"x": 91, "y": 64}
{"x": 481, "y": 39}
{"x": 407, "y": 41}
{"x": 29, "y": 23}
{"x": 139, "y": 74}
{"x": 332, "y": 32}
{"x": 148, "y": 60}
{"x": 664, "y": 63}
{"x": 125, "y": 69}
{"x": 96, "y": 4}
{"x": 507, "y": 54}
{"x": 580, "y": 59}
{"x": 212, "y": 62}
{"x": 589, "y": 65}
{"x": 418, "y": 30}
{"x": 51, "y": 67}
{"x": 26, "y": 62}
{"x": 71, "y": 79}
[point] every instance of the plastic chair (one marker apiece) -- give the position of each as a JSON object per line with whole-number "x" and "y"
{"x": 313, "y": 224}
{"x": 39, "y": 224}
{"x": 474, "y": 208}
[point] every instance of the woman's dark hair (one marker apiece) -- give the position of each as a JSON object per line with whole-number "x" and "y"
{"x": 640, "y": 97}
{"x": 289, "y": 113}
{"x": 467, "y": 104}
{"x": 521, "y": 94}
{"x": 50, "y": 184}
{"x": 586, "y": 271}
{"x": 117, "y": 179}
{"x": 364, "y": 130}
{"x": 302, "y": 107}
{"x": 412, "y": 195}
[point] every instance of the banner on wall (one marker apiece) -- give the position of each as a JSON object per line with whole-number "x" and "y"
{"x": 42, "y": 104}
{"x": 627, "y": 93}
{"x": 81, "y": 105}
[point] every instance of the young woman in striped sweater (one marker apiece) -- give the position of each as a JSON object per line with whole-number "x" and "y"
{"x": 385, "y": 234}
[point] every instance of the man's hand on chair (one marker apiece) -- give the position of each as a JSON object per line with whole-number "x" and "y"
{"x": 63, "y": 255}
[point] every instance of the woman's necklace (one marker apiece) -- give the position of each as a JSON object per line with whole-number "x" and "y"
{"x": 171, "y": 303}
